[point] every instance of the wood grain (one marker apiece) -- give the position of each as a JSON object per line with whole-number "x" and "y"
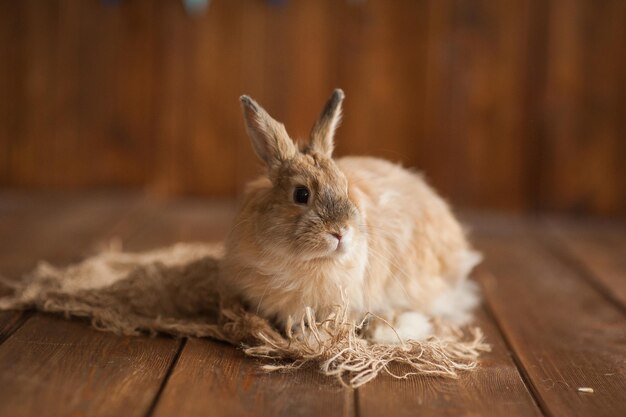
{"x": 58, "y": 228}
{"x": 598, "y": 247}
{"x": 83, "y": 84}
{"x": 10, "y": 321}
{"x": 564, "y": 333}
{"x": 55, "y": 366}
{"x": 217, "y": 377}
{"x": 584, "y": 98}
{"x": 495, "y": 388}
{"x": 196, "y": 102}
{"x": 37, "y": 24}
{"x": 551, "y": 330}
{"x": 476, "y": 91}
{"x": 9, "y": 75}
{"x": 162, "y": 222}
{"x": 500, "y": 103}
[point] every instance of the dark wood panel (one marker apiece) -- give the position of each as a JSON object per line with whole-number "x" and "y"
{"x": 197, "y": 117}
{"x": 584, "y": 100}
{"x": 34, "y": 76}
{"x": 495, "y": 388}
{"x": 103, "y": 93}
{"x": 476, "y": 133}
{"x": 564, "y": 333}
{"x": 9, "y": 73}
{"x": 500, "y": 103}
{"x": 83, "y": 85}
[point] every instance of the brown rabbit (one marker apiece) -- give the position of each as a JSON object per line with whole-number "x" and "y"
{"x": 314, "y": 228}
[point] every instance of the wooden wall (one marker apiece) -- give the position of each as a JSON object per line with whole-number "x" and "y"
{"x": 515, "y": 104}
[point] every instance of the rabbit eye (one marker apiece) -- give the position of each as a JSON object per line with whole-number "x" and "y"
{"x": 301, "y": 195}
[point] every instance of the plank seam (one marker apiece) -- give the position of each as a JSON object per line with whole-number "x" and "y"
{"x": 357, "y": 406}
{"x": 166, "y": 378}
{"x": 555, "y": 245}
{"x": 24, "y": 317}
{"x": 521, "y": 370}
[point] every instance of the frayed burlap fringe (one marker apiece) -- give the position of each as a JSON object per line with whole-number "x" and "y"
{"x": 175, "y": 291}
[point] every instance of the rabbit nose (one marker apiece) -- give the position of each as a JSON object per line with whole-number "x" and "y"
{"x": 338, "y": 236}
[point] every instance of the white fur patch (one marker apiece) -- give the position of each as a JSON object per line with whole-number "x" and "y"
{"x": 408, "y": 326}
{"x": 457, "y": 304}
{"x": 467, "y": 260}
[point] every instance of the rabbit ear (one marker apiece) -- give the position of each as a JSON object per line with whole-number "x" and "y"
{"x": 269, "y": 138}
{"x": 324, "y": 130}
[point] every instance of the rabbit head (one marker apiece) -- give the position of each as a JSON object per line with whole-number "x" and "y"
{"x": 303, "y": 209}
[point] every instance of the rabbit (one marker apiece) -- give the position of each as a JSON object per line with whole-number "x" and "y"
{"x": 319, "y": 232}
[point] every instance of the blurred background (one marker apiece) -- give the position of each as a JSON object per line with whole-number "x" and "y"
{"x": 515, "y": 105}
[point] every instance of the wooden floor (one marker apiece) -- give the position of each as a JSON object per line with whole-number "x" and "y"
{"x": 554, "y": 312}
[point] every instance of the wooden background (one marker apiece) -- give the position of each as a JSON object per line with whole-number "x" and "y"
{"x": 515, "y": 105}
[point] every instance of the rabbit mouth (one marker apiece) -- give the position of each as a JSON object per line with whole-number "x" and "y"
{"x": 329, "y": 245}
{"x": 340, "y": 241}
{"x": 341, "y": 249}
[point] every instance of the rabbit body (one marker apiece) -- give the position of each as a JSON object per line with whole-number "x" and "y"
{"x": 317, "y": 232}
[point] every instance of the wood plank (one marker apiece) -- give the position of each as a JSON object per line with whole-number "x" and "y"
{"x": 583, "y": 100}
{"x": 58, "y": 227}
{"x": 10, "y": 321}
{"x": 599, "y": 246}
{"x": 476, "y": 95}
{"x": 55, "y": 366}
{"x": 33, "y": 75}
{"x": 498, "y": 102}
{"x": 37, "y": 226}
{"x": 10, "y": 40}
{"x": 15, "y": 216}
{"x": 197, "y": 113}
{"x": 165, "y": 222}
{"x": 83, "y": 118}
{"x": 495, "y": 388}
{"x": 217, "y": 377}
{"x": 563, "y": 332}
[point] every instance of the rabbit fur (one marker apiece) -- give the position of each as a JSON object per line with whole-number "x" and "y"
{"x": 371, "y": 234}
